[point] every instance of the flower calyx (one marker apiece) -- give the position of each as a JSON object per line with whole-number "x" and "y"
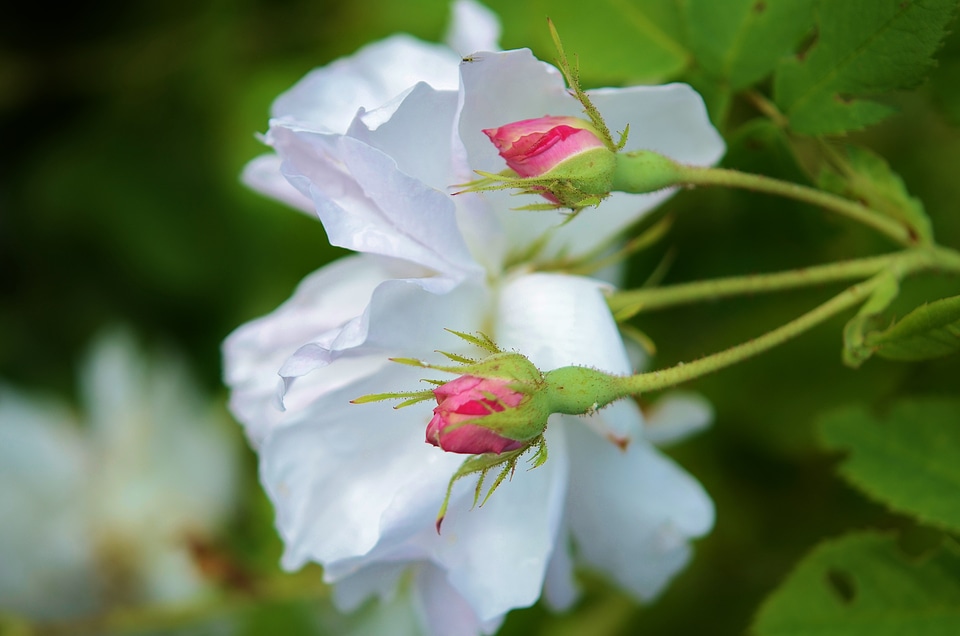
{"x": 496, "y": 411}
{"x": 562, "y": 158}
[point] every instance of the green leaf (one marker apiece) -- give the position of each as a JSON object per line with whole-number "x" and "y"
{"x": 863, "y": 585}
{"x": 909, "y": 460}
{"x": 861, "y": 175}
{"x": 864, "y": 48}
{"x": 929, "y": 331}
{"x": 739, "y": 42}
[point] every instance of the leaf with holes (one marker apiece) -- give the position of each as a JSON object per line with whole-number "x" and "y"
{"x": 929, "y": 331}
{"x": 863, "y": 585}
{"x": 908, "y": 460}
{"x": 863, "y": 48}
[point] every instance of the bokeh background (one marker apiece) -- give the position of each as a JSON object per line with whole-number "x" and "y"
{"x": 124, "y": 127}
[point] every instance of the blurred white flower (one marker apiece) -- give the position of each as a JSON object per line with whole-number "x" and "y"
{"x": 101, "y": 508}
{"x": 372, "y": 144}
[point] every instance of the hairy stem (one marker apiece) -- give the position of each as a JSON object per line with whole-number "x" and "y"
{"x": 899, "y": 265}
{"x": 683, "y": 372}
{"x": 698, "y": 176}
{"x": 625, "y": 304}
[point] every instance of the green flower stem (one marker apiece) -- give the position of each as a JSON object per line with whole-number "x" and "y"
{"x": 899, "y": 266}
{"x": 683, "y": 372}
{"x": 628, "y": 303}
{"x": 697, "y": 176}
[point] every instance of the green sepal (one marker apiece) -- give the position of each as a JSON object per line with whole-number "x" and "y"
{"x": 580, "y": 181}
{"x": 480, "y": 340}
{"x": 409, "y": 397}
{"x": 505, "y": 365}
{"x": 483, "y": 464}
{"x": 641, "y": 338}
{"x": 572, "y": 75}
{"x": 457, "y": 358}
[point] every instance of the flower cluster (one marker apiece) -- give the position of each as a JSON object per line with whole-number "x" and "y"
{"x": 372, "y": 145}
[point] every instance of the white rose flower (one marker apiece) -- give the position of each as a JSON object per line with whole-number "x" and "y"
{"x": 100, "y": 509}
{"x": 372, "y": 144}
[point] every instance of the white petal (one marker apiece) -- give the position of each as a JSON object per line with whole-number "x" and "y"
{"x": 263, "y": 175}
{"x": 417, "y": 135}
{"x": 676, "y": 416}
{"x": 328, "y": 98}
{"x": 559, "y": 320}
{"x": 560, "y": 589}
{"x": 632, "y": 512}
{"x": 332, "y": 478}
{"x": 499, "y": 88}
{"x": 496, "y": 556}
{"x": 367, "y": 204}
{"x": 394, "y": 615}
{"x": 669, "y": 119}
{"x": 474, "y": 28}
{"x": 254, "y": 353}
{"x": 444, "y": 612}
{"x": 379, "y": 580}
{"x": 404, "y": 318}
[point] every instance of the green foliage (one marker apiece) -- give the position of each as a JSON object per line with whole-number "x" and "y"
{"x": 863, "y": 585}
{"x": 929, "y": 331}
{"x": 861, "y": 175}
{"x": 943, "y": 80}
{"x": 739, "y": 42}
{"x": 909, "y": 460}
{"x": 864, "y": 48}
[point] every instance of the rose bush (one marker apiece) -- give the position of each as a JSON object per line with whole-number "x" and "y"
{"x": 372, "y": 144}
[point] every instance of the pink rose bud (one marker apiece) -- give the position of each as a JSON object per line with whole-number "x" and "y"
{"x": 533, "y": 147}
{"x": 462, "y": 404}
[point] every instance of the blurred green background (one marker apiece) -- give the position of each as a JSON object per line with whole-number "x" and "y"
{"x": 125, "y": 127}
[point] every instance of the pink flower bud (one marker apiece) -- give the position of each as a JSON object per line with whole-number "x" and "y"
{"x": 533, "y": 147}
{"x": 462, "y": 404}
